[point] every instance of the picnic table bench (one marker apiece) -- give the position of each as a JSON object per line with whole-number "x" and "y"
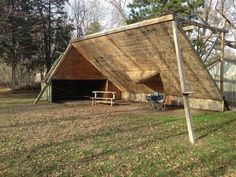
{"x": 103, "y": 97}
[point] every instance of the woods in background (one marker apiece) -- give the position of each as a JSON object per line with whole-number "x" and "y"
{"x": 146, "y": 9}
{"x": 34, "y": 33}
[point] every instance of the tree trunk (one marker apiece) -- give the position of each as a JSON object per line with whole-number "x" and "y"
{"x": 13, "y": 77}
{"x": 47, "y": 39}
{"x": 41, "y": 71}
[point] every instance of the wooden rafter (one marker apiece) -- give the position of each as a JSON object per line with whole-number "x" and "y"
{"x": 51, "y": 73}
{"x": 185, "y": 92}
{"x": 210, "y": 50}
{"x": 215, "y": 29}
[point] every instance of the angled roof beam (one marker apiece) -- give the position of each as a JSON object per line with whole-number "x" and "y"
{"x": 210, "y": 50}
{"x": 128, "y": 27}
{"x": 52, "y": 72}
{"x": 146, "y": 78}
{"x": 189, "y": 27}
{"x": 215, "y": 29}
{"x": 184, "y": 90}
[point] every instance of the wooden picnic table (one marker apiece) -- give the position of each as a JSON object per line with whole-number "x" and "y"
{"x": 103, "y": 97}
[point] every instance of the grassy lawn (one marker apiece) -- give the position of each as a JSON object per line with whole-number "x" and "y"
{"x": 66, "y": 140}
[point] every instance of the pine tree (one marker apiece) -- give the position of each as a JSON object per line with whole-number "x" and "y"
{"x": 94, "y": 27}
{"x": 15, "y": 39}
{"x": 146, "y": 9}
{"x": 51, "y": 26}
{"x": 34, "y": 33}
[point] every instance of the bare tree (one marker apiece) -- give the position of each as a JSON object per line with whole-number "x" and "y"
{"x": 120, "y": 7}
{"x": 86, "y": 13}
{"x": 79, "y": 15}
{"x": 227, "y": 11}
{"x": 216, "y": 13}
{"x": 118, "y": 14}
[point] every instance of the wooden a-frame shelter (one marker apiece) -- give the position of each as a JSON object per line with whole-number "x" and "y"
{"x": 135, "y": 60}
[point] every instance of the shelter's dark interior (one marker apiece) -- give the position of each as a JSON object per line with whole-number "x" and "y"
{"x": 154, "y": 82}
{"x": 75, "y": 89}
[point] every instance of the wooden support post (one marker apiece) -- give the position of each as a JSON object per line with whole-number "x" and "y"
{"x": 61, "y": 59}
{"x": 198, "y": 36}
{"x": 50, "y": 93}
{"x": 222, "y": 61}
{"x": 41, "y": 93}
{"x": 183, "y": 84}
{"x": 107, "y": 86}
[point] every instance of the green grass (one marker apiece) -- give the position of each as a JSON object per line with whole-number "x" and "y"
{"x": 7, "y": 100}
{"x": 34, "y": 144}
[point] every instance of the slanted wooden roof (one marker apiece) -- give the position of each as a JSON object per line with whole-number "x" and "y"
{"x": 132, "y": 53}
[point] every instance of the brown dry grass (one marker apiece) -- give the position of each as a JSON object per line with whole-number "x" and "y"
{"x": 76, "y": 139}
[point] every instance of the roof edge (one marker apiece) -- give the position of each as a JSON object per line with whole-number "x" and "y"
{"x": 199, "y": 59}
{"x": 54, "y": 69}
{"x": 207, "y": 26}
{"x": 161, "y": 19}
{"x": 149, "y": 22}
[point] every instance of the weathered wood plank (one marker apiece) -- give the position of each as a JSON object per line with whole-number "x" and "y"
{"x": 183, "y": 84}
{"x": 128, "y": 27}
{"x": 52, "y": 72}
{"x": 131, "y": 54}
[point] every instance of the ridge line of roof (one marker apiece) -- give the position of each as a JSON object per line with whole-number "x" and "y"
{"x": 149, "y": 22}
{"x": 60, "y": 59}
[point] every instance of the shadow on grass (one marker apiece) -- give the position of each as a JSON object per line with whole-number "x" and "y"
{"x": 148, "y": 138}
{"x": 57, "y": 120}
{"x": 215, "y": 164}
{"x": 86, "y": 160}
{"x": 101, "y": 134}
{"x": 109, "y": 132}
{"x": 89, "y": 116}
{"x": 213, "y": 128}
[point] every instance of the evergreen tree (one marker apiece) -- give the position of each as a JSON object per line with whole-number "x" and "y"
{"x": 51, "y": 24}
{"x": 94, "y": 27}
{"x": 15, "y": 39}
{"x": 2, "y": 17}
{"x": 146, "y": 9}
{"x": 32, "y": 33}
